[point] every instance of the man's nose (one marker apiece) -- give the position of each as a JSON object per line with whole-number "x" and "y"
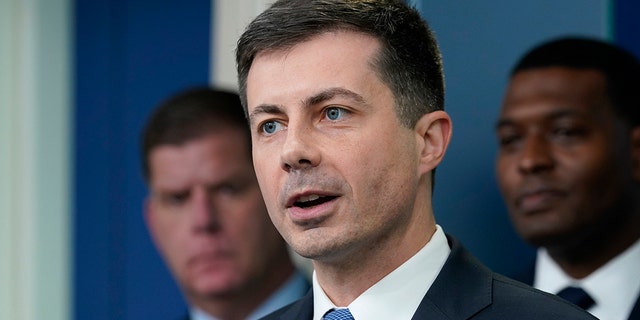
{"x": 204, "y": 212}
{"x": 536, "y": 155}
{"x": 299, "y": 150}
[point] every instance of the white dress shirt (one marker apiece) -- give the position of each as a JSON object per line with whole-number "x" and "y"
{"x": 397, "y": 295}
{"x": 295, "y": 288}
{"x": 614, "y": 287}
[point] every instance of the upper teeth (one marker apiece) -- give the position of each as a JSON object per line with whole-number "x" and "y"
{"x": 309, "y": 198}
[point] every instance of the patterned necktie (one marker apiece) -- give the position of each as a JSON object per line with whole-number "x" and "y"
{"x": 577, "y": 296}
{"x": 338, "y": 314}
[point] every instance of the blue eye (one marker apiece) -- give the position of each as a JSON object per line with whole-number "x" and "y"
{"x": 334, "y": 113}
{"x": 271, "y": 127}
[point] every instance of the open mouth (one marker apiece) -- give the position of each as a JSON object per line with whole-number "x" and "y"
{"x": 312, "y": 200}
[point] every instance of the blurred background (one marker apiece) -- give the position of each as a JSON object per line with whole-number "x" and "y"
{"x": 79, "y": 78}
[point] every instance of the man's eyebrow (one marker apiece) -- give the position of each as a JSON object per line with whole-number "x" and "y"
{"x": 330, "y": 93}
{"x": 324, "y": 95}
{"x": 168, "y": 192}
{"x": 553, "y": 115}
{"x": 265, "y": 108}
{"x": 502, "y": 122}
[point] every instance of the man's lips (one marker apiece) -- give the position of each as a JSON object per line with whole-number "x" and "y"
{"x": 309, "y": 199}
{"x": 539, "y": 199}
{"x": 207, "y": 260}
{"x": 310, "y": 207}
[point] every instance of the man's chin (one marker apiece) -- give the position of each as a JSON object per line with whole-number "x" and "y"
{"x": 216, "y": 288}
{"x": 214, "y": 279}
{"x": 545, "y": 238}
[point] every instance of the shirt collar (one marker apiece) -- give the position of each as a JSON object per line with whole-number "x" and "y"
{"x": 614, "y": 287}
{"x": 296, "y": 287}
{"x": 292, "y": 290}
{"x": 401, "y": 291}
{"x": 197, "y": 314}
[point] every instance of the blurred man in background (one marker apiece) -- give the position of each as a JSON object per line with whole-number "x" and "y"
{"x": 205, "y": 211}
{"x": 568, "y": 166}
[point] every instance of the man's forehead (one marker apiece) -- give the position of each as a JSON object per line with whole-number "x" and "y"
{"x": 320, "y": 54}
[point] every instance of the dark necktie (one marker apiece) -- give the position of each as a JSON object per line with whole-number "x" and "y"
{"x": 338, "y": 314}
{"x": 577, "y": 296}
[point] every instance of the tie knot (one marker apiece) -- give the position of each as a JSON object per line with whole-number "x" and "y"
{"x": 577, "y": 296}
{"x": 338, "y": 314}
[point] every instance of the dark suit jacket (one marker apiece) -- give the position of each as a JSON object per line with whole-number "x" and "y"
{"x": 465, "y": 289}
{"x": 527, "y": 275}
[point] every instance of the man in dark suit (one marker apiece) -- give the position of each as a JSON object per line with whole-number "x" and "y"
{"x": 345, "y": 103}
{"x": 569, "y": 169}
{"x": 205, "y": 211}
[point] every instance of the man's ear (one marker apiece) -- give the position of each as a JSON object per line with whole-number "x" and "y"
{"x": 433, "y": 133}
{"x": 635, "y": 152}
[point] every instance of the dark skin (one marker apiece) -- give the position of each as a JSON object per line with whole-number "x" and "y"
{"x": 568, "y": 167}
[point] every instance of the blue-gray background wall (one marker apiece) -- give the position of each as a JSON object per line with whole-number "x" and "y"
{"x": 129, "y": 55}
{"x": 480, "y": 41}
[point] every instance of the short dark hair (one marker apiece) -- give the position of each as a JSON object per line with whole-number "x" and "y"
{"x": 409, "y": 62}
{"x": 189, "y": 115}
{"x": 619, "y": 67}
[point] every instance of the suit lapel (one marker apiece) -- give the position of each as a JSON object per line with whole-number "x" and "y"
{"x": 635, "y": 313}
{"x": 463, "y": 287}
{"x": 300, "y": 310}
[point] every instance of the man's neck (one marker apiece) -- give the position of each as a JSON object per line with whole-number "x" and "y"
{"x": 344, "y": 279}
{"x": 239, "y": 305}
{"x": 580, "y": 259}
